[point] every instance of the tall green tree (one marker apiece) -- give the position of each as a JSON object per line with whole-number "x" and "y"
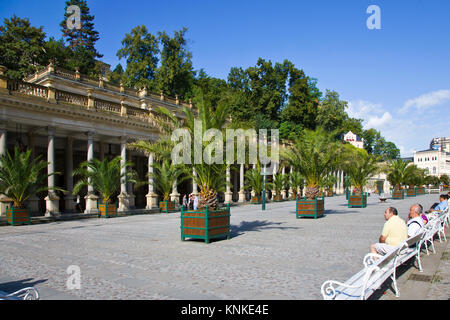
{"x": 140, "y": 49}
{"x": 302, "y": 107}
{"x": 376, "y": 144}
{"x": 115, "y": 77}
{"x": 85, "y": 36}
{"x": 21, "y": 47}
{"x": 175, "y": 75}
{"x": 332, "y": 115}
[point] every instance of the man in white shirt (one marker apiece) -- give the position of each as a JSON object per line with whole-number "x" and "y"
{"x": 414, "y": 222}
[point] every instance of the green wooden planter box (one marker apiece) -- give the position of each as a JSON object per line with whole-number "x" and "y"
{"x": 309, "y": 208}
{"x": 167, "y": 206}
{"x": 277, "y": 198}
{"x": 205, "y": 224}
{"x": 256, "y": 200}
{"x": 412, "y": 192}
{"x": 18, "y": 216}
{"x": 420, "y": 190}
{"x": 107, "y": 210}
{"x": 398, "y": 194}
{"x": 357, "y": 201}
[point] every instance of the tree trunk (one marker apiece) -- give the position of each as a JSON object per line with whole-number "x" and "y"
{"x": 311, "y": 192}
{"x": 209, "y": 199}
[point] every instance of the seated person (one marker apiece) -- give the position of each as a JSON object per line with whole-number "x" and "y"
{"x": 414, "y": 222}
{"x": 441, "y": 206}
{"x": 394, "y": 232}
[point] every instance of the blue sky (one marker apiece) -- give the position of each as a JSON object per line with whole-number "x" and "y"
{"x": 397, "y": 79}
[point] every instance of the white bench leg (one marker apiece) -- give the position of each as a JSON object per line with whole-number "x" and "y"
{"x": 394, "y": 281}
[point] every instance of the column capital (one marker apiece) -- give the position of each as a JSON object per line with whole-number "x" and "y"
{"x": 91, "y": 134}
{"x": 123, "y": 139}
{"x": 51, "y": 130}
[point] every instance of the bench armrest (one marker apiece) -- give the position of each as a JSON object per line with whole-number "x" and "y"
{"x": 370, "y": 259}
{"x": 29, "y": 293}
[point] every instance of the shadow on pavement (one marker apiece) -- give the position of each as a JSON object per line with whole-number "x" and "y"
{"x": 257, "y": 225}
{"x": 13, "y": 286}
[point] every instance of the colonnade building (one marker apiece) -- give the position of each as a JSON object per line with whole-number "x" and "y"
{"x": 68, "y": 118}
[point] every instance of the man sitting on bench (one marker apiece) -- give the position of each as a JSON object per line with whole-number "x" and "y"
{"x": 441, "y": 206}
{"x": 414, "y": 222}
{"x": 394, "y": 232}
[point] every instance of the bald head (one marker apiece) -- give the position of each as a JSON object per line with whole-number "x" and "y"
{"x": 414, "y": 210}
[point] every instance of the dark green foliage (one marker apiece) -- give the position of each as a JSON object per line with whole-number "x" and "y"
{"x": 140, "y": 48}
{"x": 115, "y": 77}
{"x": 22, "y": 177}
{"x": 375, "y": 144}
{"x": 175, "y": 75}
{"x": 86, "y": 36}
{"x": 21, "y": 47}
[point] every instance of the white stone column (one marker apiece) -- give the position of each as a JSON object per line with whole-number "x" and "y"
{"x": 253, "y": 194}
{"x": 152, "y": 197}
{"x": 241, "y": 187}
{"x": 52, "y": 200}
{"x": 124, "y": 203}
{"x": 33, "y": 201}
{"x": 194, "y": 184}
{"x": 274, "y": 173}
{"x": 4, "y": 200}
{"x": 175, "y": 196}
{"x": 228, "y": 193}
{"x": 3, "y": 136}
{"x": 284, "y": 193}
{"x": 68, "y": 198}
{"x": 91, "y": 198}
{"x": 291, "y": 190}
{"x": 131, "y": 196}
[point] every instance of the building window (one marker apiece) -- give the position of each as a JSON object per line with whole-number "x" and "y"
{"x": 434, "y": 170}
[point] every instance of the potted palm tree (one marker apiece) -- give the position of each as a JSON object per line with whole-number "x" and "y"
{"x": 296, "y": 183}
{"x": 314, "y": 154}
{"x": 165, "y": 178}
{"x": 105, "y": 177}
{"x": 412, "y": 180}
{"x": 209, "y": 221}
{"x": 396, "y": 171}
{"x": 327, "y": 184}
{"x": 421, "y": 176}
{"x": 20, "y": 178}
{"x": 254, "y": 182}
{"x": 278, "y": 184}
{"x": 360, "y": 167}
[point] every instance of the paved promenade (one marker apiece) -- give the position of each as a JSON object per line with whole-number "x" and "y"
{"x": 271, "y": 254}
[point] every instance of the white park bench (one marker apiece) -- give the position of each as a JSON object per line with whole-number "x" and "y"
{"x": 377, "y": 269}
{"x": 436, "y": 225}
{"x": 29, "y": 293}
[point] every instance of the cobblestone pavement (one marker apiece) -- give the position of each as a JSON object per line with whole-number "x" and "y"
{"x": 440, "y": 286}
{"x": 271, "y": 254}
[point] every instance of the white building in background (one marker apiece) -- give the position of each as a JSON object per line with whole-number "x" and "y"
{"x": 435, "y": 162}
{"x": 442, "y": 144}
{"x": 354, "y": 139}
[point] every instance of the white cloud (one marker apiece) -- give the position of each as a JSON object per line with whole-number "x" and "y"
{"x": 362, "y": 109}
{"x": 378, "y": 122}
{"x": 426, "y": 100}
